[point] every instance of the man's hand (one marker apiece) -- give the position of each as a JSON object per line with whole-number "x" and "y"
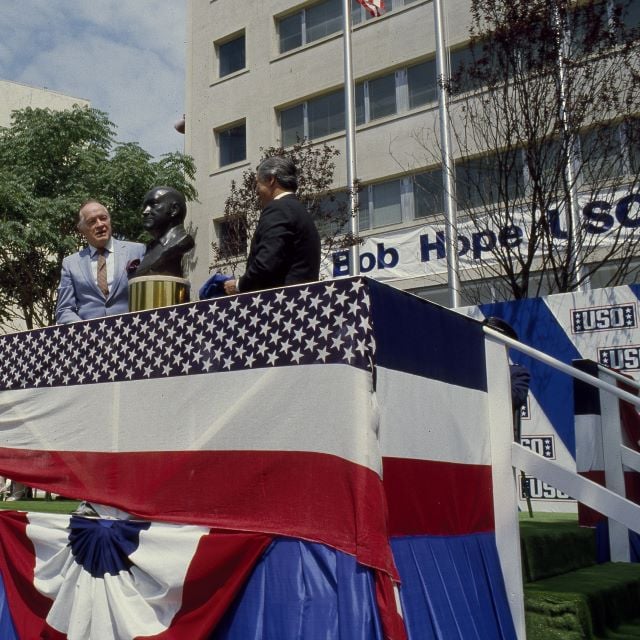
{"x": 230, "y": 287}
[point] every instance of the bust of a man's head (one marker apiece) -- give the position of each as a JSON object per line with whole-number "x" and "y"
{"x": 163, "y": 213}
{"x": 162, "y": 209}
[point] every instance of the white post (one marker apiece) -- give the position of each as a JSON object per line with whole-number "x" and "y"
{"x": 505, "y": 502}
{"x": 450, "y": 211}
{"x": 613, "y": 471}
{"x": 350, "y": 128}
{"x": 573, "y": 215}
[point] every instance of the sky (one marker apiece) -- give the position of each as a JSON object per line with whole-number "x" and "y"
{"x": 125, "y": 56}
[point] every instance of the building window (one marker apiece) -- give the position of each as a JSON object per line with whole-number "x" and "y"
{"x": 313, "y": 119}
{"x": 231, "y": 56}
{"x": 232, "y": 144}
{"x": 380, "y": 204}
{"x": 232, "y": 237}
{"x": 376, "y": 98}
{"x": 290, "y": 32}
{"x": 396, "y": 92}
{"x": 323, "y": 19}
{"x": 307, "y": 25}
{"x": 386, "y": 95}
{"x": 602, "y": 154}
{"x": 632, "y": 143}
{"x": 332, "y": 216}
{"x": 292, "y": 125}
{"x": 422, "y": 83}
{"x": 428, "y": 194}
{"x": 325, "y": 114}
{"x": 489, "y": 180}
{"x": 382, "y": 97}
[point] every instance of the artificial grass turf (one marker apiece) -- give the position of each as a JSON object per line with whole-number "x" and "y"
{"x": 553, "y": 544}
{"x": 600, "y": 601}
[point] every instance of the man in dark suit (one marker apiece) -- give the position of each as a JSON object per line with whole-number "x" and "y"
{"x": 285, "y": 248}
{"x": 94, "y": 282}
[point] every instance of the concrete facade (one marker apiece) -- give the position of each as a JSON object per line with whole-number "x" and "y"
{"x": 394, "y": 147}
{"x": 14, "y": 95}
{"x": 271, "y": 80}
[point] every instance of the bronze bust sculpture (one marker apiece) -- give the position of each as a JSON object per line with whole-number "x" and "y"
{"x": 163, "y": 211}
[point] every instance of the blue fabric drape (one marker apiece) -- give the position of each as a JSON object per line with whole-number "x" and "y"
{"x": 304, "y": 591}
{"x": 602, "y": 543}
{"x": 7, "y": 632}
{"x": 452, "y": 588}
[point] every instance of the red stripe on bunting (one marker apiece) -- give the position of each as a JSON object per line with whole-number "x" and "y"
{"x": 313, "y": 496}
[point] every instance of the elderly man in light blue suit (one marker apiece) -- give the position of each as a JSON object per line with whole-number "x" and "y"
{"x": 81, "y": 294}
{"x": 94, "y": 284}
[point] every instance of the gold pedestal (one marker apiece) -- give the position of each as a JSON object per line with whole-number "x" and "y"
{"x": 150, "y": 292}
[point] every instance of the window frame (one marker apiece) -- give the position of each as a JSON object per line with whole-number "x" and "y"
{"x": 222, "y": 131}
{"x": 228, "y": 40}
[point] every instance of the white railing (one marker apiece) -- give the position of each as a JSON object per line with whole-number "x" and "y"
{"x": 509, "y": 456}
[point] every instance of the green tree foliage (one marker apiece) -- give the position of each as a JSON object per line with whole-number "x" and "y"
{"x": 51, "y": 162}
{"x": 328, "y": 207}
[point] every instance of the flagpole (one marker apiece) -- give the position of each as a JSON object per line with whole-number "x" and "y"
{"x": 450, "y": 212}
{"x": 576, "y": 264}
{"x": 350, "y": 127}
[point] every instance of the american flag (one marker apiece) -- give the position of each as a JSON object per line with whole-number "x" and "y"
{"x": 270, "y": 414}
{"x": 374, "y": 7}
{"x": 268, "y": 390}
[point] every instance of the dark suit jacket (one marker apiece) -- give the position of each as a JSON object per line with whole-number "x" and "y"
{"x": 285, "y": 249}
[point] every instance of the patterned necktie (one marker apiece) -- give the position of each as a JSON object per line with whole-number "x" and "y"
{"x": 102, "y": 272}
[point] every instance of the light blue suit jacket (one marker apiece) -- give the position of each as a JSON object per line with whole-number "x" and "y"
{"x": 78, "y": 295}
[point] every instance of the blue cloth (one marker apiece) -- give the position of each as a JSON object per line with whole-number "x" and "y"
{"x": 602, "y": 543}
{"x": 520, "y": 379}
{"x": 304, "y": 591}
{"x": 7, "y": 631}
{"x": 104, "y": 546}
{"x": 452, "y": 588}
{"x": 213, "y": 287}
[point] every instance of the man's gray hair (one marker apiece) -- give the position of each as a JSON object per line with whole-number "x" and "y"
{"x": 83, "y": 205}
{"x": 282, "y": 168}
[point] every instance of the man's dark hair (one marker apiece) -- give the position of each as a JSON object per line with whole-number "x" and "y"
{"x": 501, "y": 326}
{"x": 282, "y": 168}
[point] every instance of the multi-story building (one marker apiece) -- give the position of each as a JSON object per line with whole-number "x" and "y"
{"x": 14, "y": 95}
{"x": 261, "y": 74}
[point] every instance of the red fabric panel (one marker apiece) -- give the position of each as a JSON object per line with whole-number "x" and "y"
{"x": 316, "y": 497}
{"x": 588, "y": 517}
{"x": 426, "y": 497}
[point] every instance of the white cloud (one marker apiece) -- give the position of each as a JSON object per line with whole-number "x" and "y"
{"x": 126, "y": 58}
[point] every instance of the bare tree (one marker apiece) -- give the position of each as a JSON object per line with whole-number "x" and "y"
{"x": 328, "y": 206}
{"x": 545, "y": 120}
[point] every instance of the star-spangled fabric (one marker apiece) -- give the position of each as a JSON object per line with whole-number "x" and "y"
{"x": 270, "y": 390}
{"x": 291, "y": 326}
{"x": 274, "y": 413}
